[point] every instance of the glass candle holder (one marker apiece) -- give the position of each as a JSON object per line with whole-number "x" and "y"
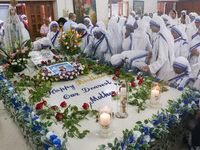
{"x": 122, "y": 105}
{"x": 105, "y": 120}
{"x": 155, "y": 94}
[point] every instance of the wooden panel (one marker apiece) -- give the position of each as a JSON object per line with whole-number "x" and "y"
{"x": 189, "y": 6}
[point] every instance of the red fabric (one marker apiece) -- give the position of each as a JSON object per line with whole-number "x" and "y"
{"x": 26, "y": 24}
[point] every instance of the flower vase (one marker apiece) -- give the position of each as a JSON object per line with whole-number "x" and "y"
{"x": 17, "y": 68}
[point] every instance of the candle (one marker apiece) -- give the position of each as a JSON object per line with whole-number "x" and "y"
{"x": 123, "y": 101}
{"x": 105, "y": 119}
{"x": 105, "y": 109}
{"x": 154, "y": 94}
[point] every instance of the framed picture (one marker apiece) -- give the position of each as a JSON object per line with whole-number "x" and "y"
{"x": 83, "y": 8}
{"x": 138, "y": 6}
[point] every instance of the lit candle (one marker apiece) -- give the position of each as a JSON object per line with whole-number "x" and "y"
{"x": 154, "y": 97}
{"x": 155, "y": 93}
{"x": 105, "y": 109}
{"x": 105, "y": 119}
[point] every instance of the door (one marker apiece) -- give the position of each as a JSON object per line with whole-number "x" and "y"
{"x": 123, "y": 9}
{"x": 37, "y": 12}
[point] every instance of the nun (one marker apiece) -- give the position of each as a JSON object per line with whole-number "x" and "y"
{"x": 129, "y": 59}
{"x": 85, "y": 35}
{"x": 195, "y": 28}
{"x": 127, "y": 42}
{"x": 161, "y": 58}
{"x": 42, "y": 44}
{"x": 54, "y": 35}
{"x": 166, "y": 20}
{"x": 140, "y": 38}
{"x": 181, "y": 47}
{"x": 100, "y": 46}
{"x": 87, "y": 22}
{"x": 181, "y": 73}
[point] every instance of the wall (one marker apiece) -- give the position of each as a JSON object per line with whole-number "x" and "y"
{"x": 62, "y": 8}
{"x": 102, "y": 10}
{"x": 149, "y": 5}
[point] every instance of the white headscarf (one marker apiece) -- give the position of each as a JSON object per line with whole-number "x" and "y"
{"x": 167, "y": 35}
{"x": 133, "y": 13}
{"x": 101, "y": 25}
{"x": 141, "y": 30}
{"x": 7, "y": 29}
{"x": 174, "y": 21}
{"x": 182, "y": 63}
{"x": 80, "y": 26}
{"x": 88, "y": 20}
{"x": 180, "y": 31}
{"x": 52, "y": 24}
{"x": 46, "y": 42}
{"x": 23, "y": 16}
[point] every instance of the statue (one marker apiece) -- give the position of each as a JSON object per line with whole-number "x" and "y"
{"x": 13, "y": 32}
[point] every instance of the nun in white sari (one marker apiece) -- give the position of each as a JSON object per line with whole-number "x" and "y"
{"x": 54, "y": 34}
{"x": 181, "y": 47}
{"x": 88, "y": 24}
{"x": 161, "y": 58}
{"x": 180, "y": 74}
{"x": 174, "y": 21}
{"x": 42, "y": 44}
{"x": 100, "y": 46}
{"x": 85, "y": 35}
{"x": 140, "y": 38}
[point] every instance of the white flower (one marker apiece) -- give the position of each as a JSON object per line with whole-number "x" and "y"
{"x": 49, "y": 134}
{"x": 47, "y": 78}
{"x": 149, "y": 125}
{"x": 182, "y": 104}
{"x": 189, "y": 105}
{"x": 177, "y": 115}
{"x": 75, "y": 46}
{"x": 72, "y": 73}
{"x": 42, "y": 78}
{"x": 136, "y": 134}
{"x": 66, "y": 76}
{"x": 193, "y": 103}
{"x": 43, "y": 74}
{"x": 56, "y": 79}
{"x": 32, "y": 114}
{"x": 67, "y": 47}
{"x": 71, "y": 77}
{"x": 147, "y": 138}
{"x": 81, "y": 72}
{"x": 61, "y": 77}
{"x": 76, "y": 74}
{"x": 11, "y": 88}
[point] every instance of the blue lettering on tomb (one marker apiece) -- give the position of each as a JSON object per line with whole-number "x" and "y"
{"x": 65, "y": 88}
{"x": 68, "y": 96}
{"x": 100, "y": 96}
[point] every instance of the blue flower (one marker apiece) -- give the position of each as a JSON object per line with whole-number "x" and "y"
{"x": 171, "y": 119}
{"x": 185, "y": 101}
{"x": 146, "y": 130}
{"x": 46, "y": 146}
{"x": 27, "y": 109}
{"x": 164, "y": 117}
{"x": 136, "y": 148}
{"x": 122, "y": 145}
{"x": 52, "y": 137}
{"x": 131, "y": 139}
{"x": 175, "y": 106}
{"x": 135, "y": 71}
{"x": 126, "y": 69}
{"x": 35, "y": 118}
{"x": 168, "y": 125}
{"x": 157, "y": 79}
{"x": 196, "y": 102}
{"x": 59, "y": 146}
{"x": 36, "y": 127}
{"x": 56, "y": 141}
{"x": 141, "y": 142}
{"x": 180, "y": 88}
{"x": 94, "y": 58}
{"x": 156, "y": 122}
{"x": 88, "y": 57}
{"x": 172, "y": 86}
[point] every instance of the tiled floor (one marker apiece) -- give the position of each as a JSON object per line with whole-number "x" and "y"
{"x": 11, "y": 136}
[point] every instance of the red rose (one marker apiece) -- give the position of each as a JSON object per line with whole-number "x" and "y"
{"x": 22, "y": 75}
{"x": 55, "y": 107}
{"x": 56, "y": 59}
{"x": 89, "y": 65}
{"x": 44, "y": 102}
{"x": 30, "y": 90}
{"x": 140, "y": 81}
{"x": 59, "y": 116}
{"x": 60, "y": 61}
{"x": 45, "y": 63}
{"x": 63, "y": 104}
{"x": 133, "y": 84}
{"x": 99, "y": 63}
{"x": 119, "y": 88}
{"x": 15, "y": 82}
{"x": 21, "y": 80}
{"x": 118, "y": 74}
{"x": 113, "y": 94}
{"x": 39, "y": 106}
{"x": 35, "y": 77}
{"x": 28, "y": 77}
{"x": 138, "y": 77}
{"x": 36, "y": 86}
{"x": 114, "y": 78}
{"x": 49, "y": 61}
{"x": 42, "y": 62}
{"x": 115, "y": 70}
{"x": 85, "y": 106}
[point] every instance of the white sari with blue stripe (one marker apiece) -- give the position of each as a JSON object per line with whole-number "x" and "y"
{"x": 195, "y": 44}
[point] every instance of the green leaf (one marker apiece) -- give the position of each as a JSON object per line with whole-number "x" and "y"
{"x": 110, "y": 145}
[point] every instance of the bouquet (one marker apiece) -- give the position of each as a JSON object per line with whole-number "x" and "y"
{"x": 15, "y": 62}
{"x": 69, "y": 42}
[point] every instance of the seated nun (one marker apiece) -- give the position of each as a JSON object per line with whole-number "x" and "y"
{"x": 161, "y": 57}
{"x": 99, "y": 47}
{"x": 140, "y": 38}
{"x": 181, "y": 47}
{"x": 54, "y": 34}
{"x": 42, "y": 44}
{"x": 85, "y": 35}
{"x": 195, "y": 50}
{"x": 128, "y": 59}
{"x": 87, "y": 22}
{"x": 127, "y": 42}
{"x": 181, "y": 74}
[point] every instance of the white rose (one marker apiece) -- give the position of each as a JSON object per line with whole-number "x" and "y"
{"x": 71, "y": 77}
{"x": 43, "y": 74}
{"x": 66, "y": 76}
{"x": 42, "y": 78}
{"x": 147, "y": 138}
{"x": 67, "y": 47}
{"x": 61, "y": 77}
{"x": 136, "y": 134}
{"x": 75, "y": 46}
{"x": 47, "y": 78}
{"x": 72, "y": 73}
